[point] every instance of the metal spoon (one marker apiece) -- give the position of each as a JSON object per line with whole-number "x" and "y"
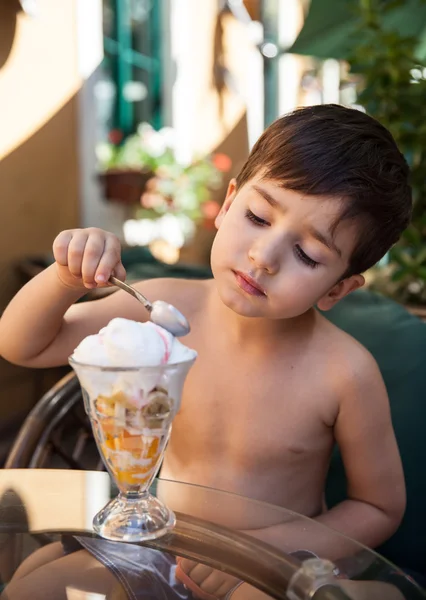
{"x": 161, "y": 313}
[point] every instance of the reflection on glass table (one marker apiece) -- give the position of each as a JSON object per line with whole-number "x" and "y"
{"x": 44, "y": 513}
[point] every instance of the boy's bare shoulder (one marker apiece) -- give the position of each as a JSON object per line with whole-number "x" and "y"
{"x": 186, "y": 294}
{"x": 351, "y": 363}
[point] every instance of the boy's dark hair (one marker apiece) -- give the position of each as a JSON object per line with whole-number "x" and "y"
{"x": 331, "y": 150}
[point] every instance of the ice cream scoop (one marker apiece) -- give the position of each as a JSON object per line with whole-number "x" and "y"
{"x": 127, "y": 354}
{"x": 125, "y": 343}
{"x": 161, "y": 313}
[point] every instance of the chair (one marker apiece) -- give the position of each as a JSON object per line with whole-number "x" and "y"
{"x": 56, "y": 433}
{"x": 397, "y": 340}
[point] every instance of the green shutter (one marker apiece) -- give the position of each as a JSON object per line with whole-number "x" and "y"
{"x": 132, "y": 57}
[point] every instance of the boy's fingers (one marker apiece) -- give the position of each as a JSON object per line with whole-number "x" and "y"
{"x": 75, "y": 252}
{"x": 119, "y": 271}
{"x": 219, "y": 583}
{"x": 188, "y": 583}
{"x": 186, "y": 564}
{"x": 93, "y": 252}
{"x": 60, "y": 247}
{"x": 205, "y": 580}
{"x": 111, "y": 258}
{"x": 210, "y": 584}
{"x": 198, "y": 573}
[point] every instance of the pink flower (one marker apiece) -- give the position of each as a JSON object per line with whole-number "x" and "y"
{"x": 115, "y": 136}
{"x": 152, "y": 184}
{"x": 222, "y": 162}
{"x": 152, "y": 200}
{"x": 210, "y": 209}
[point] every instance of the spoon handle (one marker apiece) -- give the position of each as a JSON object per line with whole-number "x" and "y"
{"x": 131, "y": 290}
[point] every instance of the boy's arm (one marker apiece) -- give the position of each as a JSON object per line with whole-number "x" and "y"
{"x": 41, "y": 327}
{"x": 375, "y": 480}
{"x": 42, "y": 324}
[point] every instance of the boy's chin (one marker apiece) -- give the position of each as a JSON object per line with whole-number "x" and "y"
{"x": 239, "y": 305}
{"x": 244, "y": 308}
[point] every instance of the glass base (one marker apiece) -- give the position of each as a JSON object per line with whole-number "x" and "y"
{"x": 134, "y": 518}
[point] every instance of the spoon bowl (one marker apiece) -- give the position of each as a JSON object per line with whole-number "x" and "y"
{"x": 161, "y": 313}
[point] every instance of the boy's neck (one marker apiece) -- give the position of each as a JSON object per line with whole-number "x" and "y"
{"x": 258, "y": 330}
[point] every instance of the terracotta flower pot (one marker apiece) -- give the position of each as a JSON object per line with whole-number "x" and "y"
{"x": 124, "y": 186}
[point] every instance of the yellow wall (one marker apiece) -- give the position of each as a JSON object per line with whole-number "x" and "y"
{"x": 216, "y": 119}
{"x": 38, "y": 152}
{"x": 217, "y": 110}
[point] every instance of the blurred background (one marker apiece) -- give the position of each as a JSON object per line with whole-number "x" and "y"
{"x": 132, "y": 116}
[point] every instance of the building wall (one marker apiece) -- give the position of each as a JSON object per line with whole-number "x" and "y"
{"x": 207, "y": 103}
{"x": 208, "y": 106}
{"x": 47, "y": 135}
{"x": 39, "y": 194}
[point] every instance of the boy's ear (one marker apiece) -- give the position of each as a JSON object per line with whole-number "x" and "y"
{"x": 339, "y": 291}
{"x": 230, "y": 195}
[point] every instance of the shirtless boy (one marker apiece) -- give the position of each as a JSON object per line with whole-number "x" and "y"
{"x": 322, "y": 197}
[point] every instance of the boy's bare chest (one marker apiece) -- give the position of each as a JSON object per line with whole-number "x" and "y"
{"x": 254, "y": 427}
{"x": 229, "y": 405}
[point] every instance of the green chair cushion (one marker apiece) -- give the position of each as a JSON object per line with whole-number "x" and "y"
{"x": 397, "y": 340}
{"x": 141, "y": 264}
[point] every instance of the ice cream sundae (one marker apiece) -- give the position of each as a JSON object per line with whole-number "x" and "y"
{"x": 132, "y": 375}
{"x": 131, "y": 409}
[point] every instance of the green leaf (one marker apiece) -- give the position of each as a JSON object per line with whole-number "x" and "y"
{"x": 421, "y": 271}
{"x": 399, "y": 274}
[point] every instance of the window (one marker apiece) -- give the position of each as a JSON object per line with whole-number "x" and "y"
{"x": 130, "y": 88}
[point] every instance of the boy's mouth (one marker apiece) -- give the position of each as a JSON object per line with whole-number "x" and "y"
{"x": 248, "y": 284}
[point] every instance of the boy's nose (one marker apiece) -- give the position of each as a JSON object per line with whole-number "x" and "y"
{"x": 264, "y": 257}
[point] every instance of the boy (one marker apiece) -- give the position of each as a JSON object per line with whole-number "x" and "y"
{"x": 322, "y": 197}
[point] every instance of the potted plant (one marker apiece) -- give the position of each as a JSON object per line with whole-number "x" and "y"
{"x": 393, "y": 89}
{"x": 145, "y": 171}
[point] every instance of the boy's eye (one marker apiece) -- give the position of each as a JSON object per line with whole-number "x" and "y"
{"x": 255, "y": 219}
{"x": 302, "y": 256}
{"x": 305, "y": 258}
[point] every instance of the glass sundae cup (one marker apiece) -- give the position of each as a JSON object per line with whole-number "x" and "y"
{"x": 131, "y": 412}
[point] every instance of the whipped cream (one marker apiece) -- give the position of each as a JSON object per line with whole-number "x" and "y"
{"x": 125, "y": 343}
{"x": 144, "y": 349}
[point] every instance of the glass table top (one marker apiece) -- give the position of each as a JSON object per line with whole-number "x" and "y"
{"x": 48, "y": 513}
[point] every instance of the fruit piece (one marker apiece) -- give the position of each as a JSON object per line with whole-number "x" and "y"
{"x": 107, "y": 405}
{"x": 157, "y": 410}
{"x": 107, "y": 426}
{"x": 106, "y": 451}
{"x": 132, "y": 443}
{"x": 110, "y": 442}
{"x": 129, "y": 478}
{"x": 159, "y": 405}
{"x": 152, "y": 449}
{"x": 104, "y": 406}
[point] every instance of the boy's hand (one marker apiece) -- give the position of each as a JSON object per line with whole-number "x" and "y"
{"x": 203, "y": 581}
{"x": 86, "y": 258}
